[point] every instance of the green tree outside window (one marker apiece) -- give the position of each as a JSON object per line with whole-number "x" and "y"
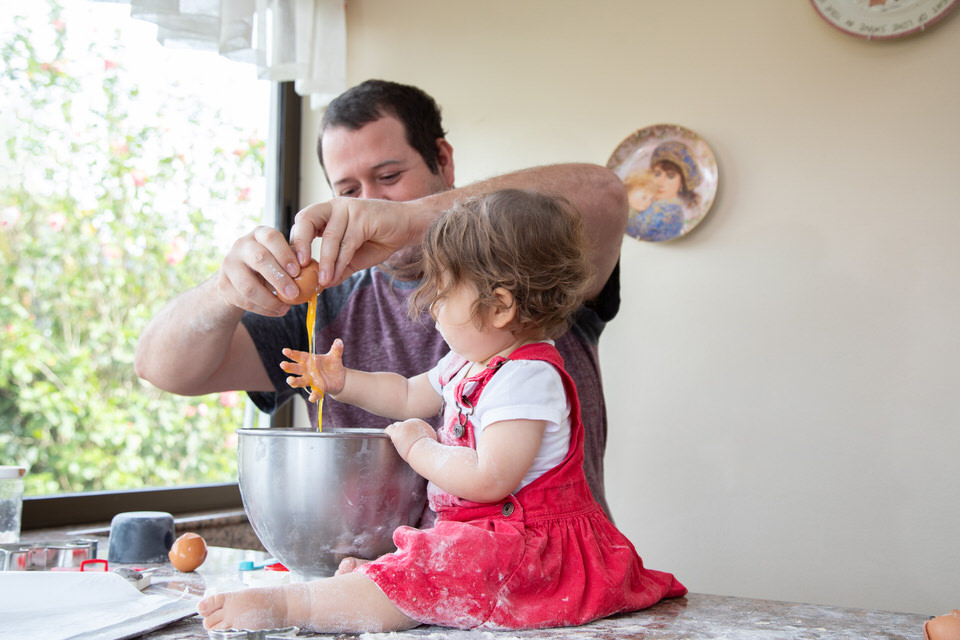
{"x": 117, "y": 192}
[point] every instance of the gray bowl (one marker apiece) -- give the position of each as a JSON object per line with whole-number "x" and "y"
{"x": 315, "y": 498}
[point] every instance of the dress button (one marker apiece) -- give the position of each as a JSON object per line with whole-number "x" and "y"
{"x": 458, "y": 431}
{"x": 507, "y": 509}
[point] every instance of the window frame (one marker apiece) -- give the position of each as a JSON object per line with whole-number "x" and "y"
{"x": 76, "y": 509}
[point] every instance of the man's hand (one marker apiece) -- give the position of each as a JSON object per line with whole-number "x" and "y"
{"x": 356, "y": 234}
{"x": 257, "y": 265}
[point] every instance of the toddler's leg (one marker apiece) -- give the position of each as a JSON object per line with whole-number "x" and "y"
{"x": 349, "y": 603}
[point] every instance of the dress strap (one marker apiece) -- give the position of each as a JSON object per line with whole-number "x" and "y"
{"x": 467, "y": 399}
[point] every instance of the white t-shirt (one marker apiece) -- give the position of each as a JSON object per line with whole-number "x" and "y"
{"x": 520, "y": 390}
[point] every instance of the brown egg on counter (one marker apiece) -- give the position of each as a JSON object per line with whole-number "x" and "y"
{"x": 945, "y": 627}
{"x": 308, "y": 282}
{"x": 188, "y": 552}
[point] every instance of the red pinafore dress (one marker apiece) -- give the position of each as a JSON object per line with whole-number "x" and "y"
{"x": 546, "y": 556}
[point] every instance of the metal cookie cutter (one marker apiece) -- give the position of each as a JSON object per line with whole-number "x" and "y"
{"x": 46, "y": 556}
{"x": 246, "y": 634}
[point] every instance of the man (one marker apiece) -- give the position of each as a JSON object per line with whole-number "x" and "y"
{"x": 383, "y": 150}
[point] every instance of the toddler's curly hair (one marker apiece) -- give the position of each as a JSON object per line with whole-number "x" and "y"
{"x": 531, "y": 244}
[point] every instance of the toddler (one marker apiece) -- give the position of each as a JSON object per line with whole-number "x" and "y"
{"x": 519, "y": 541}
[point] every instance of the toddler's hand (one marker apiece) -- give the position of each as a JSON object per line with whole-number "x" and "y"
{"x": 322, "y": 373}
{"x": 407, "y": 433}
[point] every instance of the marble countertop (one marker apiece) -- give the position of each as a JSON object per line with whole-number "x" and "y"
{"x": 697, "y": 616}
{"x": 694, "y": 617}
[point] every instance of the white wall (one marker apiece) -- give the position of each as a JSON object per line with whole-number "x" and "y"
{"x": 782, "y": 382}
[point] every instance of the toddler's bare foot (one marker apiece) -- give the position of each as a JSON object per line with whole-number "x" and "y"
{"x": 349, "y": 565}
{"x": 261, "y": 608}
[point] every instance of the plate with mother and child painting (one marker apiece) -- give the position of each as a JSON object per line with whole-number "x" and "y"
{"x": 671, "y": 179}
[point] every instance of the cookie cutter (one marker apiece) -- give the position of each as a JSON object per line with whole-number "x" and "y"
{"x": 47, "y": 555}
{"x": 248, "y": 634}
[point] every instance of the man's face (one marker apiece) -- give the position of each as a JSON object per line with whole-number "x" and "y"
{"x": 375, "y": 161}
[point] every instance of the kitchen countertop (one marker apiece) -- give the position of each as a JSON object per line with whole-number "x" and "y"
{"x": 697, "y": 616}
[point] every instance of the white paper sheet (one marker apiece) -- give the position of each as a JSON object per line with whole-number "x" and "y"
{"x": 81, "y": 606}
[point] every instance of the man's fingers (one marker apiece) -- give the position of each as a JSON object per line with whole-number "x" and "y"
{"x": 327, "y": 220}
{"x": 334, "y": 249}
{"x": 307, "y": 225}
{"x": 259, "y": 263}
{"x": 245, "y": 289}
{"x": 278, "y": 249}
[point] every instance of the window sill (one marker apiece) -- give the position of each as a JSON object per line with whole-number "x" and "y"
{"x": 81, "y": 509}
{"x": 227, "y": 528}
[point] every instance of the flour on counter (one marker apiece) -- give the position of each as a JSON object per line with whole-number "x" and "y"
{"x": 445, "y": 634}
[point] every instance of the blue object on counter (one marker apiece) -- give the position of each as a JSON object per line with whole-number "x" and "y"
{"x": 250, "y": 565}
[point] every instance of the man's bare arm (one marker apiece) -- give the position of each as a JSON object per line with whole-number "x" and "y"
{"x": 362, "y": 233}
{"x": 196, "y": 343}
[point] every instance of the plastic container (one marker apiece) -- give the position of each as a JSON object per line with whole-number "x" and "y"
{"x": 11, "y": 502}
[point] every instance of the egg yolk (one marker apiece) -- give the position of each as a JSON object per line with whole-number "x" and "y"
{"x": 311, "y": 323}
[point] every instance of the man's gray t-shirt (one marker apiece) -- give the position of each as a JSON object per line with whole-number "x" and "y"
{"x": 369, "y": 312}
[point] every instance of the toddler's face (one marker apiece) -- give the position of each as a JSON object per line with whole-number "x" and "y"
{"x": 455, "y": 321}
{"x": 453, "y": 313}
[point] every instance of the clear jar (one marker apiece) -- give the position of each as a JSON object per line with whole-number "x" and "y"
{"x": 11, "y": 502}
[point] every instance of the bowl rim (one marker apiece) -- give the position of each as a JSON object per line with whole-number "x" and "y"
{"x": 359, "y": 432}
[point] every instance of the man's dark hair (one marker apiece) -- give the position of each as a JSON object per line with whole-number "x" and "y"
{"x": 374, "y": 99}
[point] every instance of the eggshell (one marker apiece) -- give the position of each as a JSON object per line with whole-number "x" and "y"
{"x": 308, "y": 282}
{"x": 945, "y": 627}
{"x": 188, "y": 552}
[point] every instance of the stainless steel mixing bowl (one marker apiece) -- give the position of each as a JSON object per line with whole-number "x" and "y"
{"x": 315, "y": 498}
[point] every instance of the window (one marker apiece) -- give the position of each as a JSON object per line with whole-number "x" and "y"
{"x": 127, "y": 170}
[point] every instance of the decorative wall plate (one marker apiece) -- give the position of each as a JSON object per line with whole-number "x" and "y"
{"x": 882, "y": 19}
{"x": 671, "y": 180}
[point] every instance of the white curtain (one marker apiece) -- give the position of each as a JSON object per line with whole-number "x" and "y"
{"x": 300, "y": 40}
